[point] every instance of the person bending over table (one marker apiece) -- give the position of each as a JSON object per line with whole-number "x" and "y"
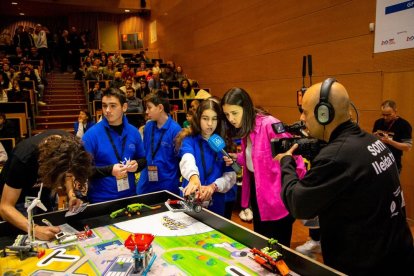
{"x": 55, "y": 158}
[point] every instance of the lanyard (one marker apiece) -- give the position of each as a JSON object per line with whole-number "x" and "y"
{"x": 152, "y": 142}
{"x": 203, "y": 162}
{"x": 113, "y": 145}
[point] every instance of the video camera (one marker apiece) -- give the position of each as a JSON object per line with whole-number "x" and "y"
{"x": 308, "y": 147}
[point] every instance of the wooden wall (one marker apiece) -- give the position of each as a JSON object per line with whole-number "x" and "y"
{"x": 259, "y": 44}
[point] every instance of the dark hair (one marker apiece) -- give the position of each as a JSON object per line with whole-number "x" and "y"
{"x": 88, "y": 114}
{"x": 59, "y": 155}
{"x": 187, "y": 90}
{"x": 389, "y": 103}
{"x": 157, "y": 98}
{"x": 239, "y": 96}
{"x": 115, "y": 92}
{"x": 195, "y": 122}
{"x": 3, "y": 115}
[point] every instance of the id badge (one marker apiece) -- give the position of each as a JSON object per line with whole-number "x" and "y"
{"x": 152, "y": 173}
{"x": 122, "y": 183}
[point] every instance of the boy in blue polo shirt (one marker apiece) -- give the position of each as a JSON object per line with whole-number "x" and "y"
{"x": 117, "y": 149}
{"x": 162, "y": 172}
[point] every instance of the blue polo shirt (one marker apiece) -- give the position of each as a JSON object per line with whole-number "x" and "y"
{"x": 128, "y": 145}
{"x": 160, "y": 152}
{"x": 210, "y": 164}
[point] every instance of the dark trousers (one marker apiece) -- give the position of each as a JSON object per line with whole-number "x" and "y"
{"x": 315, "y": 234}
{"x": 228, "y": 209}
{"x": 280, "y": 229}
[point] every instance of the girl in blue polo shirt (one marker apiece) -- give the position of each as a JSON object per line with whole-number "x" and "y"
{"x": 202, "y": 168}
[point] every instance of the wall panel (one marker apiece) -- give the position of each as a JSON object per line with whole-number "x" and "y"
{"x": 259, "y": 45}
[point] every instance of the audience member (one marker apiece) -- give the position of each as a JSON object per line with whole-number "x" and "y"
{"x": 186, "y": 92}
{"x": 118, "y": 59}
{"x": 168, "y": 74}
{"x": 3, "y": 154}
{"x": 204, "y": 170}
{"x": 63, "y": 50}
{"x": 189, "y": 118}
{"x": 3, "y": 95}
{"x": 128, "y": 84}
{"x": 359, "y": 203}
{"x": 40, "y": 40}
{"x": 165, "y": 89}
{"x": 117, "y": 149}
{"x": 74, "y": 49}
{"x": 393, "y": 131}
{"x": 95, "y": 93}
{"x": 117, "y": 82}
{"x": 261, "y": 182}
{"x": 84, "y": 123}
{"x": 109, "y": 70}
{"x": 179, "y": 74}
{"x": 162, "y": 172}
{"x": 156, "y": 69}
{"x": 143, "y": 90}
{"x": 29, "y": 74}
{"x": 194, "y": 105}
{"x": 126, "y": 72}
{"x": 154, "y": 83}
{"x": 7, "y": 128}
{"x": 55, "y": 158}
{"x": 134, "y": 104}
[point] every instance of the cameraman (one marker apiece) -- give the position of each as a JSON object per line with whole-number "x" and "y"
{"x": 354, "y": 188}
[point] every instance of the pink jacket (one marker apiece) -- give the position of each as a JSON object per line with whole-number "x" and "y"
{"x": 267, "y": 172}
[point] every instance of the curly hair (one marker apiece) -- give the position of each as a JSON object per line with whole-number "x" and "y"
{"x": 59, "y": 155}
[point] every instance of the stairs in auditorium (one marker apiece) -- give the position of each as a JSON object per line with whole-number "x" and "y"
{"x": 64, "y": 98}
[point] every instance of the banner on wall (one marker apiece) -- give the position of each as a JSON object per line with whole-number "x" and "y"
{"x": 394, "y": 25}
{"x": 153, "y": 32}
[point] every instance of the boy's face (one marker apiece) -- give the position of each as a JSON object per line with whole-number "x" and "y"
{"x": 130, "y": 93}
{"x": 153, "y": 111}
{"x": 112, "y": 110}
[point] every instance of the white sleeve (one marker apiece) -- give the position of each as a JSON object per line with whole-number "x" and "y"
{"x": 188, "y": 166}
{"x": 3, "y": 153}
{"x": 80, "y": 131}
{"x": 226, "y": 182}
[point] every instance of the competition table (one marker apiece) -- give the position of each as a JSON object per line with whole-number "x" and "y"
{"x": 209, "y": 244}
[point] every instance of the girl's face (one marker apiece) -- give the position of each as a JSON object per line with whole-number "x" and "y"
{"x": 82, "y": 116}
{"x": 208, "y": 123}
{"x": 179, "y": 69}
{"x": 234, "y": 114}
{"x": 185, "y": 84}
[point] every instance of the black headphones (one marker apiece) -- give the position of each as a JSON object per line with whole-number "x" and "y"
{"x": 324, "y": 111}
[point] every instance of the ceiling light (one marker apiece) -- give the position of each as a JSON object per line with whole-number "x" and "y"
{"x": 22, "y": 13}
{"x": 14, "y": 3}
{"x": 127, "y": 10}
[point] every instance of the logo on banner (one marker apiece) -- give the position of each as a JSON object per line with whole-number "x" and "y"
{"x": 390, "y": 41}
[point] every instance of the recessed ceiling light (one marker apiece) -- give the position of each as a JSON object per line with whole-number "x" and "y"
{"x": 22, "y": 13}
{"x": 127, "y": 10}
{"x": 14, "y": 3}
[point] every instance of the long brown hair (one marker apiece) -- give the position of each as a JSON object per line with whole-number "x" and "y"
{"x": 195, "y": 122}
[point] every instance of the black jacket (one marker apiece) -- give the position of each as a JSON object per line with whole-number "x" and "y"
{"x": 354, "y": 188}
